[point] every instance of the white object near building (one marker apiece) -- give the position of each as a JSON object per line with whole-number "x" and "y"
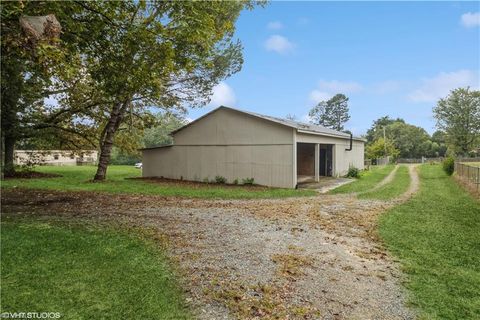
{"x": 56, "y": 157}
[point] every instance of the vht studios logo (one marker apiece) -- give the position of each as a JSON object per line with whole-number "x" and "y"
{"x": 30, "y": 315}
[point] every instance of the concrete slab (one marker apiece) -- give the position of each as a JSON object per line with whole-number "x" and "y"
{"x": 324, "y": 185}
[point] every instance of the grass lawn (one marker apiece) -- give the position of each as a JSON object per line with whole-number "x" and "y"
{"x": 78, "y": 179}
{"x": 85, "y": 273}
{"x": 436, "y": 235}
{"x": 391, "y": 190}
{"x": 367, "y": 180}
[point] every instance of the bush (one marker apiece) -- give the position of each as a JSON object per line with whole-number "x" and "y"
{"x": 449, "y": 165}
{"x": 220, "y": 179}
{"x": 353, "y": 172}
{"x": 235, "y": 181}
{"x": 248, "y": 181}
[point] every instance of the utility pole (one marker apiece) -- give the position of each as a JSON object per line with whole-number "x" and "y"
{"x": 384, "y": 141}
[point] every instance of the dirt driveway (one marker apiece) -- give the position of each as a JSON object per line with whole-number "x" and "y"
{"x": 302, "y": 258}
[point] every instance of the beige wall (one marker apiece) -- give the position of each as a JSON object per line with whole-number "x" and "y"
{"x": 225, "y": 126}
{"x": 342, "y": 158}
{"x": 229, "y": 144}
{"x": 268, "y": 165}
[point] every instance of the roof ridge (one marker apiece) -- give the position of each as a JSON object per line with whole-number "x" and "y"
{"x": 312, "y": 128}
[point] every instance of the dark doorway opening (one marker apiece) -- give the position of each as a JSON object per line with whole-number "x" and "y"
{"x": 326, "y": 160}
{"x": 306, "y": 159}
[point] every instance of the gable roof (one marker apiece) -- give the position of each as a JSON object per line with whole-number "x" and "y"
{"x": 299, "y": 126}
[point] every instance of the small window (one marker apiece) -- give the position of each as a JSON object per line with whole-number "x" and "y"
{"x": 55, "y": 156}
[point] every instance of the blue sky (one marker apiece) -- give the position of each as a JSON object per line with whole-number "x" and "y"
{"x": 389, "y": 58}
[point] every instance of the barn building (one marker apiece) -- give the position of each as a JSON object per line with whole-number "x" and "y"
{"x": 238, "y": 144}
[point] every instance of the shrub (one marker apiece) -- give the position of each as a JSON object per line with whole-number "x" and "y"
{"x": 353, "y": 172}
{"x": 235, "y": 181}
{"x": 449, "y": 165}
{"x": 248, "y": 181}
{"x": 220, "y": 179}
{"x": 206, "y": 180}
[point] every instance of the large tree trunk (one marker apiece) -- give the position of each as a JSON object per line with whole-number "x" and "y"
{"x": 8, "y": 153}
{"x": 107, "y": 139}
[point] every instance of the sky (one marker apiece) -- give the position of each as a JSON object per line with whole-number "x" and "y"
{"x": 389, "y": 58}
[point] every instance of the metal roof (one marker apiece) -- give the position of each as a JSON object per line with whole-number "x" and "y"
{"x": 300, "y": 125}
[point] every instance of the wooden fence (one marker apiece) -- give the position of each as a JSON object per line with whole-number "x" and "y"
{"x": 469, "y": 173}
{"x": 420, "y": 160}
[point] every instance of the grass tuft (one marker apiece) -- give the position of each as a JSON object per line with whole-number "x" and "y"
{"x": 393, "y": 189}
{"x": 75, "y": 178}
{"x": 368, "y": 179}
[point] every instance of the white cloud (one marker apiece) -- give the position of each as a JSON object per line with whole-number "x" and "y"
{"x": 385, "y": 87}
{"x": 317, "y": 95}
{"x": 327, "y": 89}
{"x": 303, "y": 21}
{"x": 279, "y": 44}
{"x": 275, "y": 25}
{"x": 439, "y": 86}
{"x": 223, "y": 95}
{"x": 340, "y": 86}
{"x": 470, "y": 20}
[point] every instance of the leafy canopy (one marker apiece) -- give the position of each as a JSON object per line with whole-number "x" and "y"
{"x": 458, "y": 115}
{"x": 381, "y": 148}
{"x": 332, "y": 113}
{"x": 411, "y": 141}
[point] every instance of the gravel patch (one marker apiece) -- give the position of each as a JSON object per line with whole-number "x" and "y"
{"x": 300, "y": 258}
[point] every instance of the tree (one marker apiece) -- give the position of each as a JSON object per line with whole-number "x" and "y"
{"x": 381, "y": 148}
{"x": 332, "y": 113}
{"x": 458, "y": 115}
{"x": 411, "y": 141}
{"x": 127, "y": 142}
{"x": 158, "y": 54}
{"x": 291, "y": 116}
{"x": 35, "y": 63}
{"x": 376, "y": 130}
{"x": 159, "y": 133}
{"x": 439, "y": 138}
{"x": 21, "y": 80}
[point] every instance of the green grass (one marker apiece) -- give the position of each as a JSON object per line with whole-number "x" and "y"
{"x": 78, "y": 179}
{"x": 367, "y": 180}
{"x": 85, "y": 273}
{"x": 391, "y": 190}
{"x": 436, "y": 236}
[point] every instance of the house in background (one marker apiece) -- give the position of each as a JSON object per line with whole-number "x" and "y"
{"x": 237, "y": 144}
{"x": 56, "y": 157}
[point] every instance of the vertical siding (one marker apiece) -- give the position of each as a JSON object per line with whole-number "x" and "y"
{"x": 269, "y": 165}
{"x": 228, "y": 127}
{"x": 229, "y": 144}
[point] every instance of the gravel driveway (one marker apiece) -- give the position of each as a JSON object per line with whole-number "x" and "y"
{"x": 301, "y": 258}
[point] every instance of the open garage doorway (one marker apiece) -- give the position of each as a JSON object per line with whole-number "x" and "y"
{"x": 305, "y": 162}
{"x": 314, "y": 161}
